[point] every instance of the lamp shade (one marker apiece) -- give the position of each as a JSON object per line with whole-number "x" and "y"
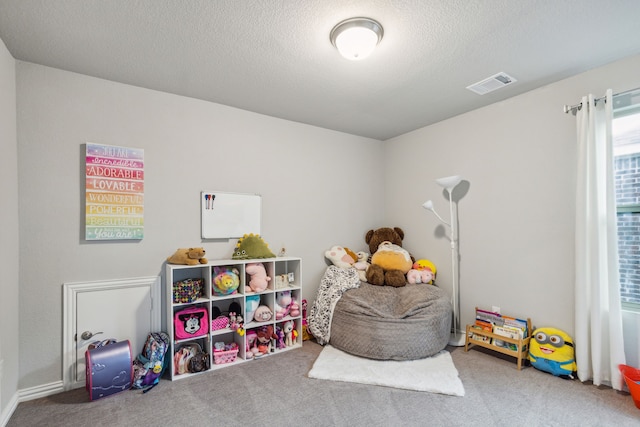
{"x": 428, "y": 205}
{"x": 449, "y": 182}
{"x": 356, "y": 38}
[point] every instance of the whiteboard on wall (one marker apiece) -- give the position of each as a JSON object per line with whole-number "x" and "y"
{"x": 229, "y": 215}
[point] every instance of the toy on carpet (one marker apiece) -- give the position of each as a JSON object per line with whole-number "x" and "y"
{"x": 389, "y": 261}
{"x": 259, "y": 280}
{"x": 551, "y": 350}
{"x": 225, "y": 280}
{"x": 251, "y": 246}
{"x": 290, "y": 333}
{"x": 188, "y": 256}
{"x": 262, "y": 314}
{"x": 339, "y": 257}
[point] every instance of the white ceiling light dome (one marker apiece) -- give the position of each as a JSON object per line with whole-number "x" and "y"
{"x": 356, "y": 38}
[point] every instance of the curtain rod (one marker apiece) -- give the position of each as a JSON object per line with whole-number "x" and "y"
{"x": 573, "y": 109}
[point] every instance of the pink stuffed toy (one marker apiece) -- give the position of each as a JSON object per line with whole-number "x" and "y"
{"x": 419, "y": 276}
{"x": 283, "y": 303}
{"x": 294, "y": 308}
{"x": 259, "y": 279}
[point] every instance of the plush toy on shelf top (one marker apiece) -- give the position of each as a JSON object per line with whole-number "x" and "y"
{"x": 252, "y": 246}
{"x": 188, "y": 256}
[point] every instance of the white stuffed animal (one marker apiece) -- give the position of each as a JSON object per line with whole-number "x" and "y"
{"x": 339, "y": 257}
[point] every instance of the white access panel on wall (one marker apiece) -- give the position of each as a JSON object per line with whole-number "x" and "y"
{"x": 229, "y": 215}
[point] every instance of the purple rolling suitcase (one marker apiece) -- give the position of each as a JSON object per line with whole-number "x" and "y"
{"x": 109, "y": 369}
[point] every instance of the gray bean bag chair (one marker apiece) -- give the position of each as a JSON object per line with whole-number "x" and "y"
{"x": 387, "y": 323}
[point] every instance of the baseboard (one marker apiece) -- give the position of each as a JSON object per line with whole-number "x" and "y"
{"x": 9, "y": 410}
{"x": 43, "y": 390}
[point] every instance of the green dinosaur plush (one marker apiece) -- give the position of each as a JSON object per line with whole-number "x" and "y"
{"x": 251, "y": 246}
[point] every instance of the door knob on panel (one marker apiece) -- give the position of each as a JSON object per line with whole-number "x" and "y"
{"x": 87, "y": 335}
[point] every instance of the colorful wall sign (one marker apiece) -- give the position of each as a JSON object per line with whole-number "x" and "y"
{"x": 114, "y": 195}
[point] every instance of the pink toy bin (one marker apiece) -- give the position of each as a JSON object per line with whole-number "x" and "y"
{"x": 632, "y": 378}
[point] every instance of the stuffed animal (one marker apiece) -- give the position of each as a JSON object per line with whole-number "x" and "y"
{"x": 262, "y": 314}
{"x": 391, "y": 265}
{"x": 306, "y": 335}
{"x": 294, "y": 307}
{"x": 225, "y": 280}
{"x": 264, "y": 335}
{"x": 280, "y": 340}
{"x": 252, "y": 246}
{"x": 283, "y": 304}
{"x": 362, "y": 264}
{"x": 419, "y": 276}
{"x": 188, "y": 256}
{"x": 339, "y": 257}
{"x": 259, "y": 279}
{"x": 252, "y": 344}
{"x": 251, "y": 305}
{"x": 422, "y": 271}
{"x": 289, "y": 329}
{"x": 551, "y": 350}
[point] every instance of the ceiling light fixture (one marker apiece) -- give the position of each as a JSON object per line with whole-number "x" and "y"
{"x": 355, "y": 38}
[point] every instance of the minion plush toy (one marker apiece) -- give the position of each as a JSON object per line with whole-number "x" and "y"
{"x": 551, "y": 350}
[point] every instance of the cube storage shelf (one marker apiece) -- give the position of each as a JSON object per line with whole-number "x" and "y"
{"x": 285, "y": 274}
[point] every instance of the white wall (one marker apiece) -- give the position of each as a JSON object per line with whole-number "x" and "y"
{"x": 318, "y": 189}
{"x": 9, "y": 242}
{"x": 517, "y": 216}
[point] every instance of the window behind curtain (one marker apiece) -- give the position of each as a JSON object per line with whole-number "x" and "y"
{"x": 626, "y": 143}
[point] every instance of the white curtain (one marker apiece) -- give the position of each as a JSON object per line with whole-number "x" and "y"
{"x": 598, "y": 339}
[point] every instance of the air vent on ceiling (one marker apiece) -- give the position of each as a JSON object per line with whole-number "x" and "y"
{"x": 492, "y": 83}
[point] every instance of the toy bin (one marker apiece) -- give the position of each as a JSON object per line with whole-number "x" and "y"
{"x": 632, "y": 378}
{"x": 221, "y": 356}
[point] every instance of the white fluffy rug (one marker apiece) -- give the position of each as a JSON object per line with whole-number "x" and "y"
{"x": 436, "y": 374}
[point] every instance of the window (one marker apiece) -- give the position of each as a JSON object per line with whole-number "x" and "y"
{"x": 626, "y": 143}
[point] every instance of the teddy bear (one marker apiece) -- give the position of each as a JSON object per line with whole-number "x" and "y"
{"x": 259, "y": 279}
{"x": 389, "y": 261}
{"x": 339, "y": 257}
{"x": 188, "y": 256}
{"x": 362, "y": 264}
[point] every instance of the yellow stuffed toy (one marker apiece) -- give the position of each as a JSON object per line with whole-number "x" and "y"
{"x": 188, "y": 256}
{"x": 551, "y": 350}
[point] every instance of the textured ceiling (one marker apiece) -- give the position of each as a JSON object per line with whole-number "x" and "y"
{"x": 274, "y": 56}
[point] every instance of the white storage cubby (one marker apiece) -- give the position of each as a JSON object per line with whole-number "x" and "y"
{"x": 285, "y": 275}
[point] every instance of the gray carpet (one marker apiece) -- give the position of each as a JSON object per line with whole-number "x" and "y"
{"x": 276, "y": 391}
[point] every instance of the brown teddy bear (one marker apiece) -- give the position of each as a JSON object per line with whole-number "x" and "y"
{"x": 389, "y": 262}
{"x": 190, "y": 256}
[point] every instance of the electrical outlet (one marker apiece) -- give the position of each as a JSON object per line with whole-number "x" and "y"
{"x": 495, "y": 309}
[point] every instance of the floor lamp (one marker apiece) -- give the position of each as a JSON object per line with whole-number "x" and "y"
{"x": 449, "y": 183}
